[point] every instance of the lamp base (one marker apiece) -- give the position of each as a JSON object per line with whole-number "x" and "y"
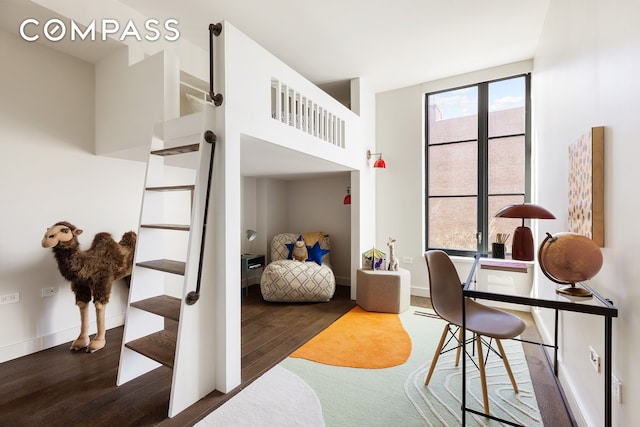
{"x": 522, "y": 247}
{"x": 573, "y": 291}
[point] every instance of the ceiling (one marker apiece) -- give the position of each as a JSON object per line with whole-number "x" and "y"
{"x": 388, "y": 44}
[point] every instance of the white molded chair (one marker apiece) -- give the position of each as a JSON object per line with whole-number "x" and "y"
{"x": 446, "y": 297}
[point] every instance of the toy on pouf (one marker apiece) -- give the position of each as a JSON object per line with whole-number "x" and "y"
{"x": 300, "y": 251}
{"x": 91, "y": 273}
{"x": 393, "y": 261}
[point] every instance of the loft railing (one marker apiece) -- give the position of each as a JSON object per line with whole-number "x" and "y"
{"x": 300, "y": 112}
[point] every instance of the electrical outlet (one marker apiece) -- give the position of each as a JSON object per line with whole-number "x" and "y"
{"x": 47, "y": 292}
{"x": 407, "y": 260}
{"x": 594, "y": 358}
{"x": 10, "y": 298}
{"x": 616, "y": 387}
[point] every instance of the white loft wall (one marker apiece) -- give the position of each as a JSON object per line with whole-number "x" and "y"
{"x": 138, "y": 96}
{"x": 363, "y": 180}
{"x": 193, "y": 59}
{"x": 249, "y": 70}
{"x": 586, "y": 74}
{"x": 400, "y": 188}
{"x": 49, "y": 173}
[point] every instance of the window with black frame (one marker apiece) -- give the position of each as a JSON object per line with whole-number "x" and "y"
{"x": 477, "y": 161}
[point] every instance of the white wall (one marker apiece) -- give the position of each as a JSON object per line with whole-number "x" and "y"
{"x": 49, "y": 173}
{"x": 400, "y": 187}
{"x": 249, "y": 208}
{"x": 317, "y": 205}
{"x": 265, "y": 204}
{"x": 586, "y": 74}
{"x": 272, "y": 206}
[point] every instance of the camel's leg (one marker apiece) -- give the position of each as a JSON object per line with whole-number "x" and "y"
{"x": 83, "y": 339}
{"x": 100, "y": 339}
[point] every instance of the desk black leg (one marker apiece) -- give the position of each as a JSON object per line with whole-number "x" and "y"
{"x": 607, "y": 371}
{"x": 464, "y": 361}
{"x": 555, "y": 345}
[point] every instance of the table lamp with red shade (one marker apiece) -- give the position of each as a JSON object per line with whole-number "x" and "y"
{"x": 522, "y": 244}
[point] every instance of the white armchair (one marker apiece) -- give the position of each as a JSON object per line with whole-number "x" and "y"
{"x": 288, "y": 280}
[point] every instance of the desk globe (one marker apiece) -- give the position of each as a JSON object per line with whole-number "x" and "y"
{"x": 568, "y": 258}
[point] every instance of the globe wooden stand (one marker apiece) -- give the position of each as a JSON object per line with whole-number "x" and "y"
{"x": 573, "y": 291}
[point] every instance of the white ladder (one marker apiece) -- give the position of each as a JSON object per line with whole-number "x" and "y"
{"x": 165, "y": 315}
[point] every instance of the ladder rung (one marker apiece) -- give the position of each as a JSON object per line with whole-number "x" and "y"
{"x": 159, "y": 346}
{"x": 178, "y": 227}
{"x": 162, "y": 305}
{"x": 166, "y": 265}
{"x": 173, "y": 188}
{"x": 177, "y": 150}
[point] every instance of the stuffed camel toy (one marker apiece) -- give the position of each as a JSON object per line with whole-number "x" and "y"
{"x": 91, "y": 273}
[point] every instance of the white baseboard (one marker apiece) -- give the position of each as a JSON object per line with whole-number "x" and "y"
{"x": 420, "y": 292}
{"x": 24, "y": 348}
{"x": 343, "y": 281}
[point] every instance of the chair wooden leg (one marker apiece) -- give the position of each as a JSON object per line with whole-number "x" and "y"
{"x": 460, "y": 345}
{"x": 507, "y": 366}
{"x": 483, "y": 378}
{"x": 437, "y": 354}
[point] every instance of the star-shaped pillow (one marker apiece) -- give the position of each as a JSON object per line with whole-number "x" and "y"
{"x": 316, "y": 253}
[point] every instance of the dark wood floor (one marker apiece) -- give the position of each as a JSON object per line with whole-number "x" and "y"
{"x": 57, "y": 387}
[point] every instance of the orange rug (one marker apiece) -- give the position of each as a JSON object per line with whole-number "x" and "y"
{"x": 360, "y": 339}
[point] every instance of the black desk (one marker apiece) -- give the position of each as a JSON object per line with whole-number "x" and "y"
{"x": 595, "y": 305}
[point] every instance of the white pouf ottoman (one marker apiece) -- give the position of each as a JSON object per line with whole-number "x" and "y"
{"x": 384, "y": 291}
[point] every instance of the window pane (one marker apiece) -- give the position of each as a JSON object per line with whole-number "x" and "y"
{"x": 470, "y": 167}
{"x": 506, "y": 165}
{"x": 502, "y": 225}
{"x": 453, "y": 115}
{"x": 453, "y": 169}
{"x": 452, "y": 223}
{"x": 507, "y": 107}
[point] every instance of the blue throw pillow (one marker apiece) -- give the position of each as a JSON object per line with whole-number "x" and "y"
{"x": 316, "y": 253}
{"x": 290, "y": 247}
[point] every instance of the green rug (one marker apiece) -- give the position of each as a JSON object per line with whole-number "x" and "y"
{"x": 300, "y": 392}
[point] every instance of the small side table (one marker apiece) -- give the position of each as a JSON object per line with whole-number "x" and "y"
{"x": 384, "y": 291}
{"x": 251, "y": 266}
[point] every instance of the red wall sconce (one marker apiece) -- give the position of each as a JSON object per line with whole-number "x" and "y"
{"x": 379, "y": 163}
